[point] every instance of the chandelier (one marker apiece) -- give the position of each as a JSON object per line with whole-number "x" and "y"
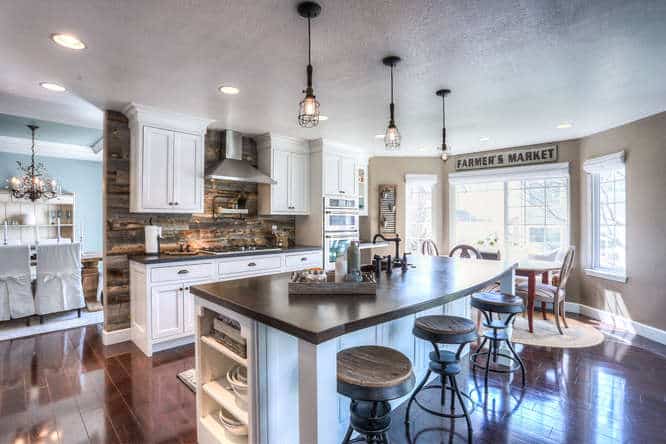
{"x": 35, "y": 183}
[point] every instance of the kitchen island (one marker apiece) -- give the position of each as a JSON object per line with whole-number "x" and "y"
{"x": 292, "y": 341}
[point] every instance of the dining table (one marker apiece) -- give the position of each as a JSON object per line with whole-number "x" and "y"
{"x": 531, "y": 269}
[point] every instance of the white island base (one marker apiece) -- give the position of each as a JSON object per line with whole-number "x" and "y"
{"x": 292, "y": 383}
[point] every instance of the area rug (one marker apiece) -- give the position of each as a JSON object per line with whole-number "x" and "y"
{"x": 189, "y": 378}
{"x": 578, "y": 335}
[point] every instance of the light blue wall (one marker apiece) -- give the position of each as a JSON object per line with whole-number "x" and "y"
{"x": 82, "y": 177}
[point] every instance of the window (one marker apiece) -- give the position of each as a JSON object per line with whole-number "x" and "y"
{"x": 419, "y": 218}
{"x": 521, "y": 212}
{"x": 607, "y": 215}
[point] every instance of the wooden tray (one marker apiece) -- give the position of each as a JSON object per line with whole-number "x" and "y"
{"x": 368, "y": 286}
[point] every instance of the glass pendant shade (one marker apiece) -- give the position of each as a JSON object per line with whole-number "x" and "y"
{"x": 392, "y": 138}
{"x": 308, "y": 113}
{"x": 308, "y": 110}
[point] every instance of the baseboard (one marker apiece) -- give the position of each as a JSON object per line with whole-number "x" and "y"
{"x": 620, "y": 322}
{"x": 116, "y": 336}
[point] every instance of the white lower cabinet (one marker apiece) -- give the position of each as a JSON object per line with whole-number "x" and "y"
{"x": 162, "y": 306}
{"x": 166, "y": 311}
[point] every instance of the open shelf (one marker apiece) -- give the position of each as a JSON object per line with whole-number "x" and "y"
{"x": 216, "y": 429}
{"x": 226, "y": 399}
{"x": 211, "y": 342}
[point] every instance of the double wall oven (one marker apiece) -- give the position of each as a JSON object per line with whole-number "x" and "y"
{"x": 340, "y": 226}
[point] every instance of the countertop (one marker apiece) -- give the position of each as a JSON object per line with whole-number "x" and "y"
{"x": 166, "y": 258}
{"x": 434, "y": 281}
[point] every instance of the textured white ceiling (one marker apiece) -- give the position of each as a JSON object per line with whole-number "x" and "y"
{"x": 516, "y": 68}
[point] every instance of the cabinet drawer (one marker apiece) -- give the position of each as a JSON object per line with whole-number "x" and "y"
{"x": 250, "y": 265}
{"x": 300, "y": 261}
{"x": 181, "y": 272}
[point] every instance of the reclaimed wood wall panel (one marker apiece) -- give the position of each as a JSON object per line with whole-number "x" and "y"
{"x": 124, "y": 231}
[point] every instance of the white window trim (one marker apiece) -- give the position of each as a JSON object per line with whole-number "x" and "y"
{"x": 592, "y": 168}
{"x": 429, "y": 180}
{"x": 426, "y": 179}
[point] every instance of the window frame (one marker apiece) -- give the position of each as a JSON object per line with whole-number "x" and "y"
{"x": 505, "y": 175}
{"x": 428, "y": 180}
{"x": 592, "y": 168}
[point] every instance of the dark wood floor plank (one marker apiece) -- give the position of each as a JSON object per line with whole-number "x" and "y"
{"x": 66, "y": 387}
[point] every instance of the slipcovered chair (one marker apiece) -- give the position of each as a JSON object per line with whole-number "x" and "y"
{"x": 553, "y": 294}
{"x": 59, "y": 279}
{"x": 16, "y": 300}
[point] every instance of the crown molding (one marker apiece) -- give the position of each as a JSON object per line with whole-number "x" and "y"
{"x": 18, "y": 145}
{"x": 148, "y": 115}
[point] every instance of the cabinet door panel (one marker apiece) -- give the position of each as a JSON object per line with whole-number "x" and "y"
{"x": 156, "y": 183}
{"x": 348, "y": 175}
{"x": 300, "y": 182}
{"x": 166, "y": 311}
{"x": 331, "y": 174}
{"x": 280, "y": 190}
{"x": 187, "y": 172}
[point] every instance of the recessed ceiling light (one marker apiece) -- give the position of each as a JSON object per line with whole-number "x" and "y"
{"x": 53, "y": 86}
{"x": 229, "y": 90}
{"x": 564, "y": 125}
{"x": 484, "y": 139}
{"x": 68, "y": 41}
{"x": 379, "y": 136}
{"x": 322, "y": 117}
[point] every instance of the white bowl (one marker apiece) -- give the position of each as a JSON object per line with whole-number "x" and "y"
{"x": 237, "y": 378}
{"x": 231, "y": 424}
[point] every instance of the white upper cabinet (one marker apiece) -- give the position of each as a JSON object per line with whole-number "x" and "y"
{"x": 287, "y": 161}
{"x": 166, "y": 161}
{"x": 347, "y": 173}
{"x": 339, "y": 174}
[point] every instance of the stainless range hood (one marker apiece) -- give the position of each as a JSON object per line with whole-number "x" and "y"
{"x": 233, "y": 167}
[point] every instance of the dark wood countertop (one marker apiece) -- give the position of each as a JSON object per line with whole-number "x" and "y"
{"x": 150, "y": 259}
{"x": 434, "y": 281}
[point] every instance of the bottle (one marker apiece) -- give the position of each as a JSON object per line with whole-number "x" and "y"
{"x": 341, "y": 264}
{"x": 354, "y": 262}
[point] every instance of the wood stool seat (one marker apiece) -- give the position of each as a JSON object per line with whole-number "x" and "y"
{"x": 498, "y": 302}
{"x": 443, "y": 329}
{"x": 371, "y": 376}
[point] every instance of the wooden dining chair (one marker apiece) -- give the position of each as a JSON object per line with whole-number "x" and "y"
{"x": 429, "y": 248}
{"x": 465, "y": 252}
{"x": 553, "y": 294}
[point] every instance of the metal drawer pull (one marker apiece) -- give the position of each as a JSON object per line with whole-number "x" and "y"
{"x": 183, "y": 271}
{"x": 251, "y": 264}
{"x": 303, "y": 259}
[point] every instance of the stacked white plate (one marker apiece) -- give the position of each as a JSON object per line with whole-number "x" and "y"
{"x": 237, "y": 378}
{"x": 231, "y": 424}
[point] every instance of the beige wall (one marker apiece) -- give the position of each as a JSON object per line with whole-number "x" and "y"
{"x": 643, "y": 297}
{"x": 392, "y": 170}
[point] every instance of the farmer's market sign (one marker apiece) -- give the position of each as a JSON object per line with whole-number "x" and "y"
{"x": 517, "y": 157}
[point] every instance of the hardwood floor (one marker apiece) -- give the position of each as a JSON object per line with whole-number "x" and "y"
{"x": 66, "y": 387}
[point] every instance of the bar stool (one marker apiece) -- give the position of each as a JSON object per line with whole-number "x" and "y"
{"x": 442, "y": 329}
{"x": 498, "y": 303}
{"x": 371, "y": 376}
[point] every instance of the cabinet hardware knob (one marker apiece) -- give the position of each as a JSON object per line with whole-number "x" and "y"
{"x": 342, "y": 192}
{"x": 187, "y": 288}
{"x": 303, "y": 259}
{"x": 183, "y": 271}
{"x": 251, "y": 264}
{"x": 175, "y": 203}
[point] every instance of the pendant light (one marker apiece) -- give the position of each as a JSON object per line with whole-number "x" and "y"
{"x": 445, "y": 148}
{"x": 308, "y": 112}
{"x": 392, "y": 137}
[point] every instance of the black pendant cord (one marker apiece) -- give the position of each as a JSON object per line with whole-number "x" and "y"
{"x": 309, "y": 91}
{"x": 392, "y": 106}
{"x": 443, "y": 123}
